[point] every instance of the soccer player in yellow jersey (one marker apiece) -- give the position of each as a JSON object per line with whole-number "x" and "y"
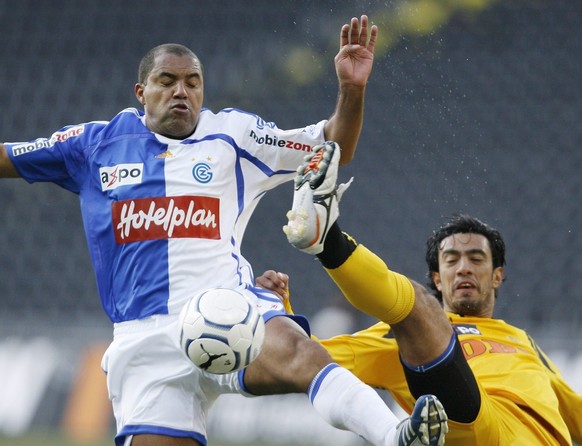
{"x": 495, "y": 383}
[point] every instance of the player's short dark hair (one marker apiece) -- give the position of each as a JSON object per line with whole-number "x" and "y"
{"x": 148, "y": 61}
{"x": 461, "y": 224}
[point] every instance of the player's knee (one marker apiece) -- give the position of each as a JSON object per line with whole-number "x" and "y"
{"x": 305, "y": 361}
{"x": 310, "y": 357}
{"x": 292, "y": 356}
{"x": 286, "y": 340}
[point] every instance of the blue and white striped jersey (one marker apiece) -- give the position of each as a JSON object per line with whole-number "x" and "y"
{"x": 164, "y": 218}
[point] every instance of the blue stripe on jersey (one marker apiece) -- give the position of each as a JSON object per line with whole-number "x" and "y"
{"x": 241, "y": 153}
{"x": 262, "y": 166}
{"x": 132, "y": 278}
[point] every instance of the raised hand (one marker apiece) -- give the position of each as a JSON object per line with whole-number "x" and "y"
{"x": 354, "y": 61}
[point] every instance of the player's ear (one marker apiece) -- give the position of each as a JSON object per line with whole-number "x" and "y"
{"x": 138, "y": 89}
{"x": 498, "y": 275}
{"x": 436, "y": 278}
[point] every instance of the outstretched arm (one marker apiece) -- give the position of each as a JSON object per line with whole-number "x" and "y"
{"x": 7, "y": 169}
{"x": 353, "y": 65}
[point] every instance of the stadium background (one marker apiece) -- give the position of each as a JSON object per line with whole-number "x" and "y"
{"x": 473, "y": 106}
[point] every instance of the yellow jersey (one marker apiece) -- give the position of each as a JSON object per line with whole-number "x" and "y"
{"x": 524, "y": 399}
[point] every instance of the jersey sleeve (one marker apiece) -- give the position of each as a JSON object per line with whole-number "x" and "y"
{"x": 570, "y": 402}
{"x": 55, "y": 159}
{"x": 570, "y": 407}
{"x": 274, "y": 150}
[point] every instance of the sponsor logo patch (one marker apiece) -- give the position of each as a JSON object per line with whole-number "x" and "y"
{"x": 165, "y": 218}
{"x": 202, "y": 173}
{"x": 262, "y": 124}
{"x": 113, "y": 177}
{"x": 272, "y": 140}
{"x": 44, "y": 143}
{"x": 167, "y": 154}
{"x": 467, "y": 329}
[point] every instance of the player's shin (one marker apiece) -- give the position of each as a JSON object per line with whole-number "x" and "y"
{"x": 347, "y": 403}
{"x": 451, "y": 379}
{"x": 363, "y": 276}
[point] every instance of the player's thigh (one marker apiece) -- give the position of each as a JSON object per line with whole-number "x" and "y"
{"x": 288, "y": 362}
{"x": 159, "y": 440}
{"x": 154, "y": 389}
{"x": 484, "y": 430}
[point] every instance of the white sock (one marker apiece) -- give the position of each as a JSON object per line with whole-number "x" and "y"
{"x": 347, "y": 403}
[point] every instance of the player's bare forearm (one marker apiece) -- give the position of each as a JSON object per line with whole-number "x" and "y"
{"x": 345, "y": 126}
{"x": 353, "y": 65}
{"x": 7, "y": 169}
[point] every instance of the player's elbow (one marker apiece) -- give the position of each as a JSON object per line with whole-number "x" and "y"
{"x": 7, "y": 169}
{"x": 346, "y": 158}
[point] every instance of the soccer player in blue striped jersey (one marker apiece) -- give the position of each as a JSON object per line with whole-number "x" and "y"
{"x": 166, "y": 194}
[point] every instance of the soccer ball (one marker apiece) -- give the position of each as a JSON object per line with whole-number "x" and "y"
{"x": 221, "y": 331}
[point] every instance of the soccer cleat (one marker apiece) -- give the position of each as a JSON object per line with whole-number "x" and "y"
{"x": 427, "y": 425}
{"x": 315, "y": 200}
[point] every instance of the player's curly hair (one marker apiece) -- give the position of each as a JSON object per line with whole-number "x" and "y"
{"x": 148, "y": 61}
{"x": 461, "y": 224}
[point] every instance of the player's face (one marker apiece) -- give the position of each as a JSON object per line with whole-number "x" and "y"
{"x": 466, "y": 277}
{"x": 172, "y": 95}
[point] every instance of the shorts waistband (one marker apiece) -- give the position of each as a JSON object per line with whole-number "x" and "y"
{"x": 137, "y": 325}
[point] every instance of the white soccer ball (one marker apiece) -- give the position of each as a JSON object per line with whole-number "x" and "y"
{"x": 221, "y": 331}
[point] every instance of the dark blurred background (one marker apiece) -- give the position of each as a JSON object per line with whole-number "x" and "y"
{"x": 473, "y": 106}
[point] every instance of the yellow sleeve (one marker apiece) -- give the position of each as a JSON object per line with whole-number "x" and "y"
{"x": 287, "y": 303}
{"x": 371, "y": 287}
{"x": 570, "y": 407}
{"x": 570, "y": 401}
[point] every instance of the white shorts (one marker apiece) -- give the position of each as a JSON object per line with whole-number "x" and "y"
{"x": 154, "y": 388}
